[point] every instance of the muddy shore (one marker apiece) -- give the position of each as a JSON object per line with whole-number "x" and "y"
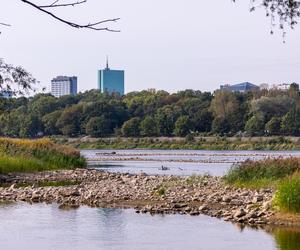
{"x": 146, "y": 194}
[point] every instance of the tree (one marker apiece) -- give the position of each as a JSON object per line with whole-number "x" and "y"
{"x": 50, "y": 121}
{"x": 48, "y": 10}
{"x": 267, "y": 107}
{"x": 290, "y": 124}
{"x": 98, "y": 127}
{"x": 15, "y": 80}
{"x": 273, "y": 126}
{"x": 281, "y": 12}
{"x": 131, "y": 128}
{"x": 30, "y": 127}
{"x": 183, "y": 126}
{"x": 148, "y": 127}
{"x": 254, "y": 126}
{"x": 165, "y": 118}
{"x": 70, "y": 120}
{"x": 220, "y": 125}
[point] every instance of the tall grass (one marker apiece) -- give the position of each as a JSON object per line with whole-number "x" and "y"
{"x": 287, "y": 197}
{"x": 18, "y": 155}
{"x": 262, "y": 173}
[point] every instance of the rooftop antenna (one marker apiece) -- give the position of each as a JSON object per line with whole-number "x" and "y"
{"x": 107, "y": 62}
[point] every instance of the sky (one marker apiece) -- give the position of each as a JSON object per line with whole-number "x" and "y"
{"x": 170, "y": 44}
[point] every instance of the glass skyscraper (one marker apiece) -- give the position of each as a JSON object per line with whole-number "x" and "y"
{"x": 111, "y": 81}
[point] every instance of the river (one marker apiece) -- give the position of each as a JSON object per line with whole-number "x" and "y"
{"x": 42, "y": 226}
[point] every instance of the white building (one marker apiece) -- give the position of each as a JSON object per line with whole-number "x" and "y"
{"x": 64, "y": 85}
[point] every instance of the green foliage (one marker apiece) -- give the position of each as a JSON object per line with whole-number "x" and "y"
{"x": 287, "y": 197}
{"x": 291, "y": 122}
{"x": 131, "y": 128}
{"x": 159, "y": 114}
{"x": 98, "y": 127}
{"x": 273, "y": 126}
{"x": 183, "y": 126}
{"x": 38, "y": 155}
{"x": 265, "y": 171}
{"x": 148, "y": 127}
{"x": 254, "y": 126}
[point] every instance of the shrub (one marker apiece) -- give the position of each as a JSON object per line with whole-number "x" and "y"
{"x": 264, "y": 170}
{"x": 287, "y": 197}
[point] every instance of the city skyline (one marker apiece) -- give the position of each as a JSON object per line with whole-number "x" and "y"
{"x": 153, "y": 52}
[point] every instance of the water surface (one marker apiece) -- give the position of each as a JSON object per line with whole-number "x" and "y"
{"x": 178, "y": 162}
{"x": 46, "y": 227}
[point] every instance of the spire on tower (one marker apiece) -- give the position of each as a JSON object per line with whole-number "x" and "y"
{"x": 107, "y": 67}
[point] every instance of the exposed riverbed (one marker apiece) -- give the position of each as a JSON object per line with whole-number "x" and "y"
{"x": 165, "y": 212}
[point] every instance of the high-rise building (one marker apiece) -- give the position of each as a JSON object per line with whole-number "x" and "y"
{"x": 111, "y": 81}
{"x": 64, "y": 85}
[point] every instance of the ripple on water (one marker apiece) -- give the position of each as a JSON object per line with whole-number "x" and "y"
{"x": 42, "y": 226}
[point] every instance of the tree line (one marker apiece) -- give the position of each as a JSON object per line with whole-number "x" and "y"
{"x": 153, "y": 113}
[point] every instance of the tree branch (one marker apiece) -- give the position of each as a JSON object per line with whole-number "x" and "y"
{"x": 53, "y": 5}
{"x": 93, "y": 26}
{"x": 5, "y": 24}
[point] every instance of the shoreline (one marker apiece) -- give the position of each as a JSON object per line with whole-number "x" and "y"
{"x": 148, "y": 194}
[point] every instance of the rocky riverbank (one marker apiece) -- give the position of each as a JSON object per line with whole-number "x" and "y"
{"x": 146, "y": 194}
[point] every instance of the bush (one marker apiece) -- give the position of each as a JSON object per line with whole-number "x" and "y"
{"x": 287, "y": 197}
{"x": 264, "y": 170}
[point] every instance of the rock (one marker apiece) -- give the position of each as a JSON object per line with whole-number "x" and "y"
{"x": 267, "y": 205}
{"x": 257, "y": 199}
{"x": 239, "y": 213}
{"x": 226, "y": 199}
{"x": 203, "y": 208}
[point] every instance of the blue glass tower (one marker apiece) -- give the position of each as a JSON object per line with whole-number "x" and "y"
{"x": 111, "y": 81}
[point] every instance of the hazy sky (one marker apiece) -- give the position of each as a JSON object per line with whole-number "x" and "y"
{"x": 169, "y": 44}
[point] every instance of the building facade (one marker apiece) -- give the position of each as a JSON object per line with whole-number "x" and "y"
{"x": 240, "y": 87}
{"x": 64, "y": 85}
{"x": 111, "y": 81}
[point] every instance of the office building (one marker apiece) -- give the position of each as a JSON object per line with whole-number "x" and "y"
{"x": 240, "y": 87}
{"x": 111, "y": 81}
{"x": 64, "y": 85}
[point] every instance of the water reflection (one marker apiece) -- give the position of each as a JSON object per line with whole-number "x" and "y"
{"x": 42, "y": 226}
{"x": 287, "y": 238}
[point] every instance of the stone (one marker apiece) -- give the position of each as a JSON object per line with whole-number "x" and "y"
{"x": 239, "y": 213}
{"x": 226, "y": 199}
{"x": 257, "y": 199}
{"x": 203, "y": 208}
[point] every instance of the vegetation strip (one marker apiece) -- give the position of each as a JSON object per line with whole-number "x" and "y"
{"x": 19, "y": 155}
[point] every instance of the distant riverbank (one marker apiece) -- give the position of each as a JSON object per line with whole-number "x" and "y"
{"x": 193, "y": 143}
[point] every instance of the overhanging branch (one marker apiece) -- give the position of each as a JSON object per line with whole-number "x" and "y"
{"x": 93, "y": 26}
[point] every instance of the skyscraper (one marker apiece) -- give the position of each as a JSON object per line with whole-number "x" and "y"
{"x": 64, "y": 85}
{"x": 111, "y": 81}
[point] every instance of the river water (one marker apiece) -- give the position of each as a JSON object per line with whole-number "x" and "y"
{"x": 41, "y": 226}
{"x": 177, "y": 162}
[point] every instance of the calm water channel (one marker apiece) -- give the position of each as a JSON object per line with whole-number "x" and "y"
{"x": 46, "y": 227}
{"x": 178, "y": 162}
{"x": 41, "y": 226}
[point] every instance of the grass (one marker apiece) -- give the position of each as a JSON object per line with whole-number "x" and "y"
{"x": 287, "y": 197}
{"x": 263, "y": 173}
{"x": 199, "y": 143}
{"x": 281, "y": 174}
{"x": 20, "y": 155}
